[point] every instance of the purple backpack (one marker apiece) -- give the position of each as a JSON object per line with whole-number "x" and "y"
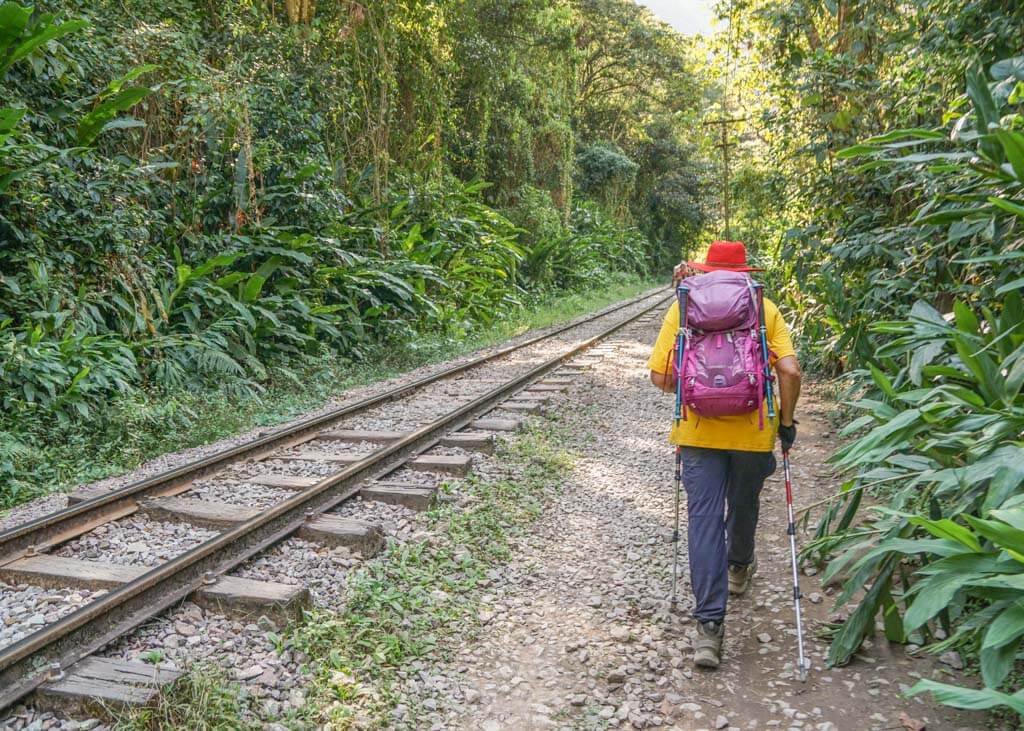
{"x": 723, "y": 369}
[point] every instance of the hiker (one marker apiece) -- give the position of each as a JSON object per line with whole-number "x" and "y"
{"x": 725, "y": 459}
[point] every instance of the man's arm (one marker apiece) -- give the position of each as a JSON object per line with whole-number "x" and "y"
{"x": 788, "y": 371}
{"x": 663, "y": 381}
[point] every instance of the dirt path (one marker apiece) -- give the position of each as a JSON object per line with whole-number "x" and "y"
{"x": 577, "y": 633}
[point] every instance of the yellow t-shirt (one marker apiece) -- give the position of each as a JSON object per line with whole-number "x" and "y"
{"x": 725, "y": 432}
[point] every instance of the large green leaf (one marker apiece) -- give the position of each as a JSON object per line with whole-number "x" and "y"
{"x": 969, "y": 565}
{"x": 850, "y": 512}
{"x": 992, "y": 258}
{"x": 1004, "y": 483}
{"x": 911, "y": 546}
{"x": 102, "y": 117}
{"x": 1007, "y": 205}
{"x": 949, "y": 215}
{"x": 850, "y": 556}
{"x": 14, "y": 19}
{"x": 892, "y": 622}
{"x": 1008, "y": 68}
{"x": 1013, "y": 147}
{"x": 117, "y": 84}
{"x": 9, "y": 118}
{"x": 1007, "y": 627}
{"x": 996, "y": 662}
{"x": 1005, "y": 536}
{"x": 922, "y": 357}
{"x": 900, "y": 134}
{"x": 949, "y": 530}
{"x": 931, "y": 596}
{"x": 41, "y": 33}
{"x": 984, "y": 105}
{"x": 969, "y": 698}
{"x": 1012, "y": 516}
{"x": 254, "y": 285}
{"x": 1013, "y": 582}
{"x": 1012, "y": 285}
{"x": 1009, "y": 457}
{"x": 860, "y": 448}
{"x": 966, "y": 320}
{"x": 882, "y": 381}
{"x": 857, "y": 151}
{"x": 851, "y": 634}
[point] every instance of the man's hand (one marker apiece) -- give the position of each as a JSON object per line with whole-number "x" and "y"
{"x": 787, "y": 435}
{"x": 664, "y": 381}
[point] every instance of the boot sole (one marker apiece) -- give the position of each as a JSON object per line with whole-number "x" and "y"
{"x": 706, "y": 662}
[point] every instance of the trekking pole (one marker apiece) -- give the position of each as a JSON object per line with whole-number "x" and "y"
{"x": 682, "y": 294}
{"x": 791, "y": 530}
{"x": 759, "y": 288}
{"x": 675, "y": 532}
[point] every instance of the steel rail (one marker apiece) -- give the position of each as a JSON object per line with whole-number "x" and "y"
{"x": 33, "y": 660}
{"x": 67, "y": 523}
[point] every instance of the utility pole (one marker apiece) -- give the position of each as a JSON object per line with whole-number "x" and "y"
{"x": 723, "y": 123}
{"x": 723, "y": 126}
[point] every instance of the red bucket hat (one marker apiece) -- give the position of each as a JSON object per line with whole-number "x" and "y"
{"x": 725, "y": 255}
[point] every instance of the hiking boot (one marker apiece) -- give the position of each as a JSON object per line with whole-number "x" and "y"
{"x": 740, "y": 576}
{"x": 707, "y": 645}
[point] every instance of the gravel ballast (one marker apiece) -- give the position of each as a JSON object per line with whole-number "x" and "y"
{"x": 25, "y": 608}
{"x": 135, "y": 541}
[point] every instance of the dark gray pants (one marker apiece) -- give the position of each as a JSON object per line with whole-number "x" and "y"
{"x": 723, "y": 490}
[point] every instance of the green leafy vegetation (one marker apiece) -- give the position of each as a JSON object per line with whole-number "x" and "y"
{"x": 879, "y": 165}
{"x": 206, "y": 198}
{"x": 203, "y": 699}
{"x": 139, "y": 426}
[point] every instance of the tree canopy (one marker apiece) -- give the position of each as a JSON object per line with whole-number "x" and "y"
{"x": 202, "y": 197}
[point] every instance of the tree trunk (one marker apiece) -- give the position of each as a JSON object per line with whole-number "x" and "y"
{"x": 300, "y": 11}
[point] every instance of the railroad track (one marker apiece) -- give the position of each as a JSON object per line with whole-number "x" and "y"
{"x": 357, "y": 447}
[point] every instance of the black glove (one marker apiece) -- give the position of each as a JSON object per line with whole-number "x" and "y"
{"x": 787, "y": 435}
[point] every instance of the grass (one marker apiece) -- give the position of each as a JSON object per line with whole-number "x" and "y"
{"x": 400, "y": 607}
{"x": 203, "y": 700}
{"x": 43, "y": 458}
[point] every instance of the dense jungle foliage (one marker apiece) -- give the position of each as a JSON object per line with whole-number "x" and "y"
{"x": 892, "y": 135}
{"x": 199, "y": 196}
